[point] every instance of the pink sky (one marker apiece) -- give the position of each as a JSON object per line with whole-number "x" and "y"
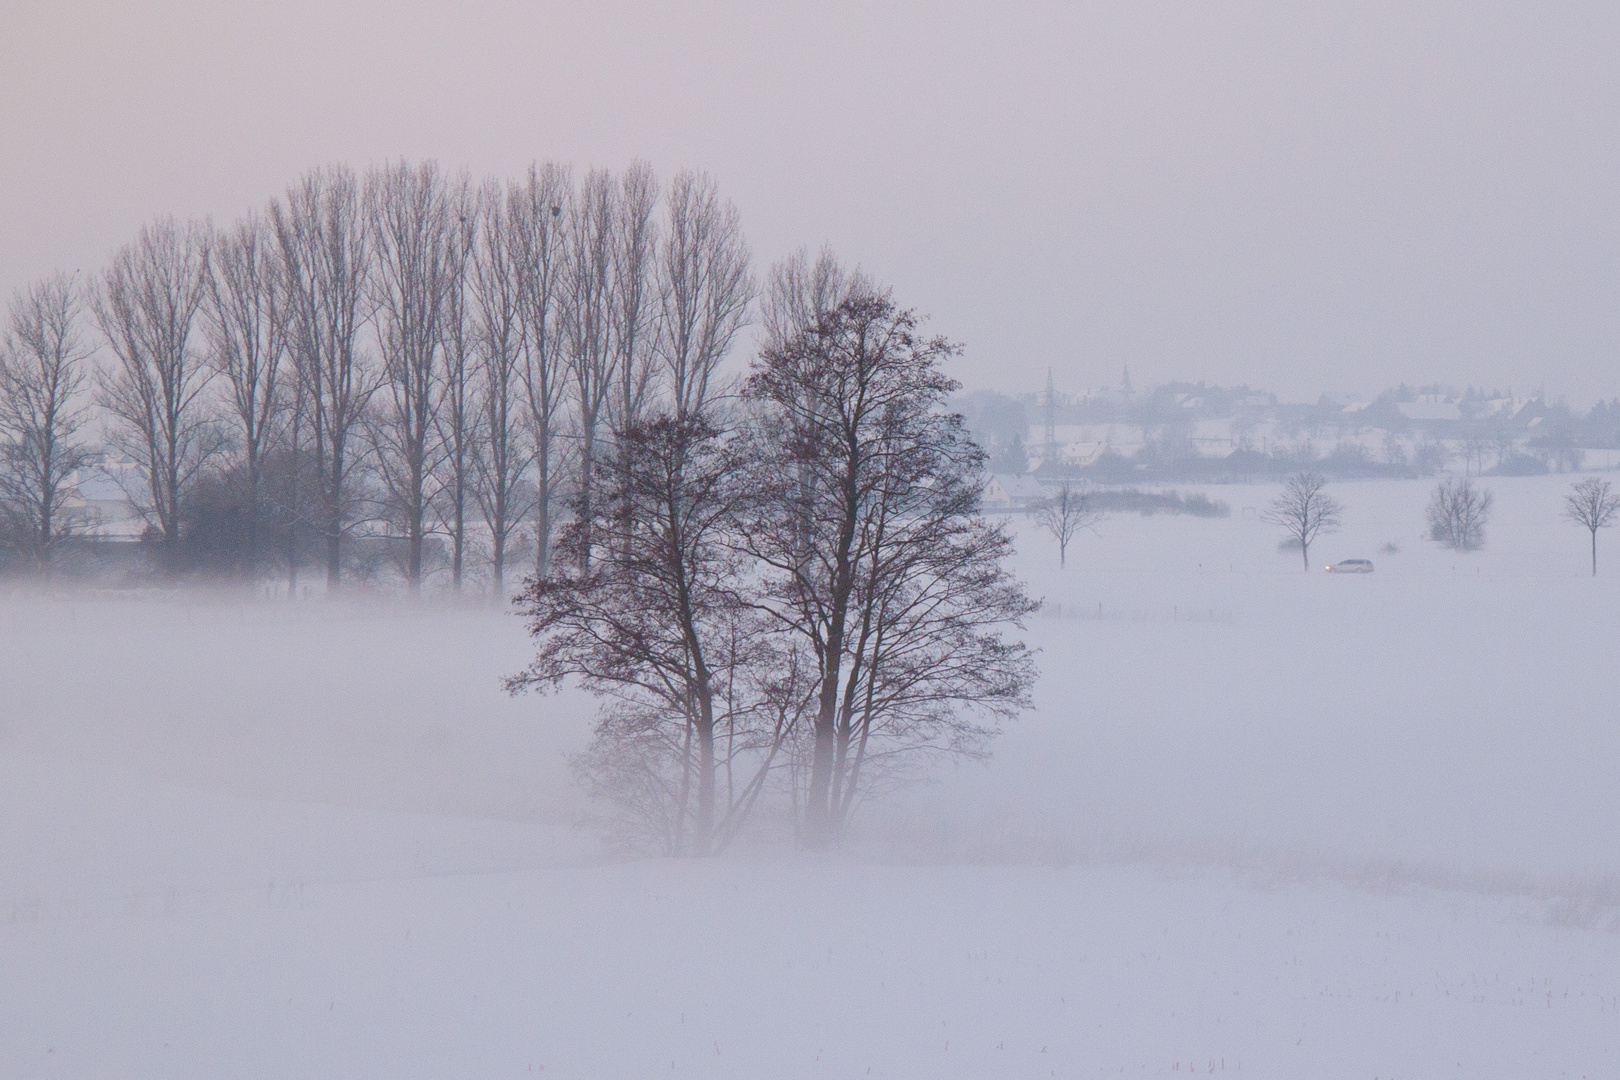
{"x": 1298, "y": 196}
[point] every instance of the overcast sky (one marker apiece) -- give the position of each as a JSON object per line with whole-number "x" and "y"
{"x": 1300, "y": 196}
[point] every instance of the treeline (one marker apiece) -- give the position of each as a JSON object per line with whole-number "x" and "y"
{"x": 391, "y": 362}
{"x": 1148, "y": 503}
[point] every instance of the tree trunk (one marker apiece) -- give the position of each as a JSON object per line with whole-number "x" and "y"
{"x": 498, "y": 553}
{"x": 542, "y": 523}
{"x": 413, "y": 555}
{"x": 587, "y": 455}
{"x": 334, "y": 538}
{"x": 818, "y": 804}
{"x": 253, "y": 520}
{"x": 703, "y": 832}
{"x": 46, "y": 508}
{"x": 460, "y": 539}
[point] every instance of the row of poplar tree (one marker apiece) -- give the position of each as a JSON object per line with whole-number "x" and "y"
{"x": 406, "y": 352}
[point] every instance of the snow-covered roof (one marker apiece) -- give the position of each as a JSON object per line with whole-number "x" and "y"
{"x": 96, "y": 486}
{"x": 1021, "y": 487}
{"x": 1430, "y": 410}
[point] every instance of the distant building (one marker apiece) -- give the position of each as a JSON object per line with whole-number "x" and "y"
{"x": 1009, "y": 493}
{"x": 97, "y": 500}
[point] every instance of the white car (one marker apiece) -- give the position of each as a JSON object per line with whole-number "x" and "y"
{"x": 1351, "y": 566}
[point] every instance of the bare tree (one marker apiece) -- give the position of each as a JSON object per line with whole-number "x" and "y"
{"x": 1593, "y": 504}
{"x": 325, "y": 250}
{"x": 1304, "y": 510}
{"x": 868, "y": 536}
{"x": 589, "y": 322}
{"x": 799, "y": 293}
{"x": 1503, "y": 441}
{"x": 146, "y": 305}
{"x": 706, "y": 288}
{"x": 43, "y": 376}
{"x": 247, "y": 332}
{"x": 1476, "y": 444}
{"x": 1457, "y": 514}
{"x": 290, "y": 492}
{"x": 503, "y": 456}
{"x": 1064, "y": 515}
{"x": 659, "y": 624}
{"x": 458, "y": 419}
{"x": 634, "y": 300}
{"x": 411, "y": 216}
{"x": 541, "y": 209}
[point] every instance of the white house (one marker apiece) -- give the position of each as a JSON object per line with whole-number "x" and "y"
{"x": 1008, "y": 493}
{"x": 1005, "y": 494}
{"x": 96, "y": 498}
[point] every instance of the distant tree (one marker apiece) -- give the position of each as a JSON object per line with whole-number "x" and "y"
{"x": 325, "y": 247}
{"x": 1503, "y": 441}
{"x": 411, "y": 215}
{"x": 458, "y": 421}
{"x": 1012, "y": 459}
{"x": 633, "y": 285}
{"x": 1593, "y": 504}
{"x": 503, "y": 456}
{"x": 1064, "y": 515}
{"x": 998, "y": 422}
{"x": 1476, "y": 445}
{"x": 1430, "y": 457}
{"x": 44, "y": 370}
{"x": 147, "y": 304}
{"x": 1394, "y": 453}
{"x": 589, "y": 311}
{"x": 1304, "y": 511}
{"x": 705, "y": 289}
{"x": 1457, "y": 514}
{"x": 799, "y": 293}
{"x": 541, "y": 209}
{"x": 247, "y": 321}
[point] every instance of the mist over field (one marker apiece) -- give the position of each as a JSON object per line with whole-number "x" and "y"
{"x": 330, "y": 820}
{"x": 1199, "y": 697}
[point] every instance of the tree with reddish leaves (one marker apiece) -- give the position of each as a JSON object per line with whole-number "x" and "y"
{"x": 814, "y": 588}
{"x": 658, "y": 621}
{"x": 864, "y": 527}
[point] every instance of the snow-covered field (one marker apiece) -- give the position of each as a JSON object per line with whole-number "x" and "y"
{"x": 1280, "y": 824}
